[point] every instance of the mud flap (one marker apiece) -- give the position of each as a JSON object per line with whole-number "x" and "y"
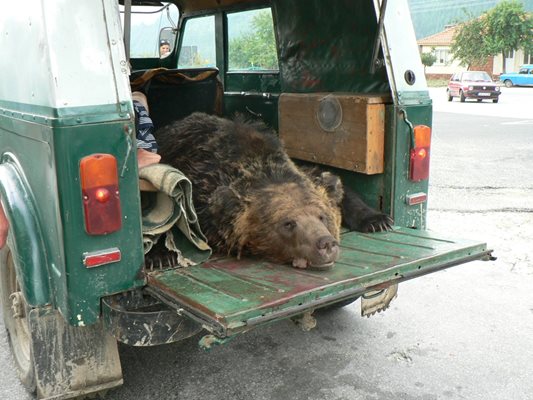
{"x": 71, "y": 361}
{"x": 377, "y": 300}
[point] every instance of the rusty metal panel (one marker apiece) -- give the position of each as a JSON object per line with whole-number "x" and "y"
{"x": 340, "y": 130}
{"x": 229, "y": 296}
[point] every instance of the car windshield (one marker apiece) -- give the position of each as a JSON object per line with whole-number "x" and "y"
{"x": 476, "y": 77}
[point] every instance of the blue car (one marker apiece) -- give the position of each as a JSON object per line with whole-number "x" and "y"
{"x": 524, "y": 77}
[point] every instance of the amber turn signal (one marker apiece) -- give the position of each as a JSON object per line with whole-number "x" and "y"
{"x": 419, "y": 157}
{"x": 101, "y": 201}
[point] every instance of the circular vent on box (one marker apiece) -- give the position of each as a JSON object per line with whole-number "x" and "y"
{"x": 329, "y": 113}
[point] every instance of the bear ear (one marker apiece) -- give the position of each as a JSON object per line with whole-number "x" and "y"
{"x": 333, "y": 185}
{"x": 227, "y": 203}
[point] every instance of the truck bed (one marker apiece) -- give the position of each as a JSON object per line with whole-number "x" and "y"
{"x": 229, "y": 296}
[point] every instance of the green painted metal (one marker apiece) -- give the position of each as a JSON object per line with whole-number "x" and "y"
{"x": 30, "y": 258}
{"x": 252, "y": 82}
{"x": 398, "y": 169}
{"x": 231, "y": 296}
{"x": 84, "y": 287}
{"x": 253, "y": 93}
{"x": 46, "y": 152}
{"x": 57, "y": 117}
{"x": 258, "y": 105}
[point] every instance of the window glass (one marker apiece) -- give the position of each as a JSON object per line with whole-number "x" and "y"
{"x": 251, "y": 41}
{"x": 146, "y": 24}
{"x": 198, "y": 47}
{"x": 443, "y": 57}
{"x": 522, "y": 71}
{"x": 478, "y": 76}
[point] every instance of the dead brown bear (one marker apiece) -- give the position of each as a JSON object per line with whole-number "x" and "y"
{"x": 252, "y": 199}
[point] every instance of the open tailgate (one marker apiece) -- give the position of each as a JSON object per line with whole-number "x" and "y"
{"x": 229, "y": 296}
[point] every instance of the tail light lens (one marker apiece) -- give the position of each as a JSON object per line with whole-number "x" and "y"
{"x": 101, "y": 201}
{"x": 419, "y": 165}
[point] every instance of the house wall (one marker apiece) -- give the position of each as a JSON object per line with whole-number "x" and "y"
{"x": 512, "y": 66}
{"x": 444, "y": 66}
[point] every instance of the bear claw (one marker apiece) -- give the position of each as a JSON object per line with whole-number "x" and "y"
{"x": 377, "y": 223}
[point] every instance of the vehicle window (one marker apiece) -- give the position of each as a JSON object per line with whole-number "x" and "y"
{"x": 146, "y": 23}
{"x": 251, "y": 41}
{"x": 478, "y": 76}
{"x": 198, "y": 47}
{"x": 522, "y": 71}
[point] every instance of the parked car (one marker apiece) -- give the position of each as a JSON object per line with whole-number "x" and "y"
{"x": 473, "y": 85}
{"x": 524, "y": 77}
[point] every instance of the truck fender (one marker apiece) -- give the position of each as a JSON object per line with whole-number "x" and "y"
{"x": 25, "y": 239}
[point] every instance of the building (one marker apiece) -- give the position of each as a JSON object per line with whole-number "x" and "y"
{"x": 440, "y": 44}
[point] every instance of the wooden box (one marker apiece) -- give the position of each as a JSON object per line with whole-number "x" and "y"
{"x": 340, "y": 130}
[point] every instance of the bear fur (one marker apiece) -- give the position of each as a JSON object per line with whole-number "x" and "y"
{"x": 252, "y": 199}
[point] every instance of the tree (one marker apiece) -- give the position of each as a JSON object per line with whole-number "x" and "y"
{"x": 468, "y": 44}
{"x": 509, "y": 28}
{"x": 256, "y": 49}
{"x": 504, "y": 28}
{"x": 428, "y": 59}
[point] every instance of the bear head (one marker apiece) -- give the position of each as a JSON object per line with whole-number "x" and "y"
{"x": 291, "y": 222}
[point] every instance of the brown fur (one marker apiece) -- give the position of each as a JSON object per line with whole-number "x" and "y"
{"x": 250, "y": 197}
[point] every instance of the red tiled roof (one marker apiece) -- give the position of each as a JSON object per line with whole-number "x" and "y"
{"x": 443, "y": 38}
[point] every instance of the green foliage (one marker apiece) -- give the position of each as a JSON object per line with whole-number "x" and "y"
{"x": 428, "y": 59}
{"x": 256, "y": 50}
{"x": 468, "y": 44}
{"x": 508, "y": 27}
{"x": 503, "y": 28}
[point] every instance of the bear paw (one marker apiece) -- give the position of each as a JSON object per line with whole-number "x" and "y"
{"x": 377, "y": 222}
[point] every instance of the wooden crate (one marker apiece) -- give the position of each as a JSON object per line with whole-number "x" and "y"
{"x": 356, "y": 143}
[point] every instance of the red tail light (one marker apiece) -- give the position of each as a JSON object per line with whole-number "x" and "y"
{"x": 101, "y": 201}
{"x": 419, "y": 165}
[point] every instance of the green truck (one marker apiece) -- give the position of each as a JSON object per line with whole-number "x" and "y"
{"x": 340, "y": 81}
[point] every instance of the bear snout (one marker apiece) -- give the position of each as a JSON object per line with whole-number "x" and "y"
{"x": 327, "y": 253}
{"x": 326, "y": 243}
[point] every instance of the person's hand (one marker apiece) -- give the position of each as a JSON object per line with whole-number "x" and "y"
{"x": 145, "y": 157}
{"x": 4, "y": 227}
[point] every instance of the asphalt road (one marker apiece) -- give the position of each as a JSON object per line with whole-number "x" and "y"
{"x": 462, "y": 333}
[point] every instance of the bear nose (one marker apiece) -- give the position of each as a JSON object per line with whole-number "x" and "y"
{"x": 326, "y": 243}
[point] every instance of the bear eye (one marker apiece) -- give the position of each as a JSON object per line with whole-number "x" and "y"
{"x": 322, "y": 218}
{"x": 289, "y": 225}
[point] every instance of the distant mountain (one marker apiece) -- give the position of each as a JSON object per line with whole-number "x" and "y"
{"x": 431, "y": 16}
